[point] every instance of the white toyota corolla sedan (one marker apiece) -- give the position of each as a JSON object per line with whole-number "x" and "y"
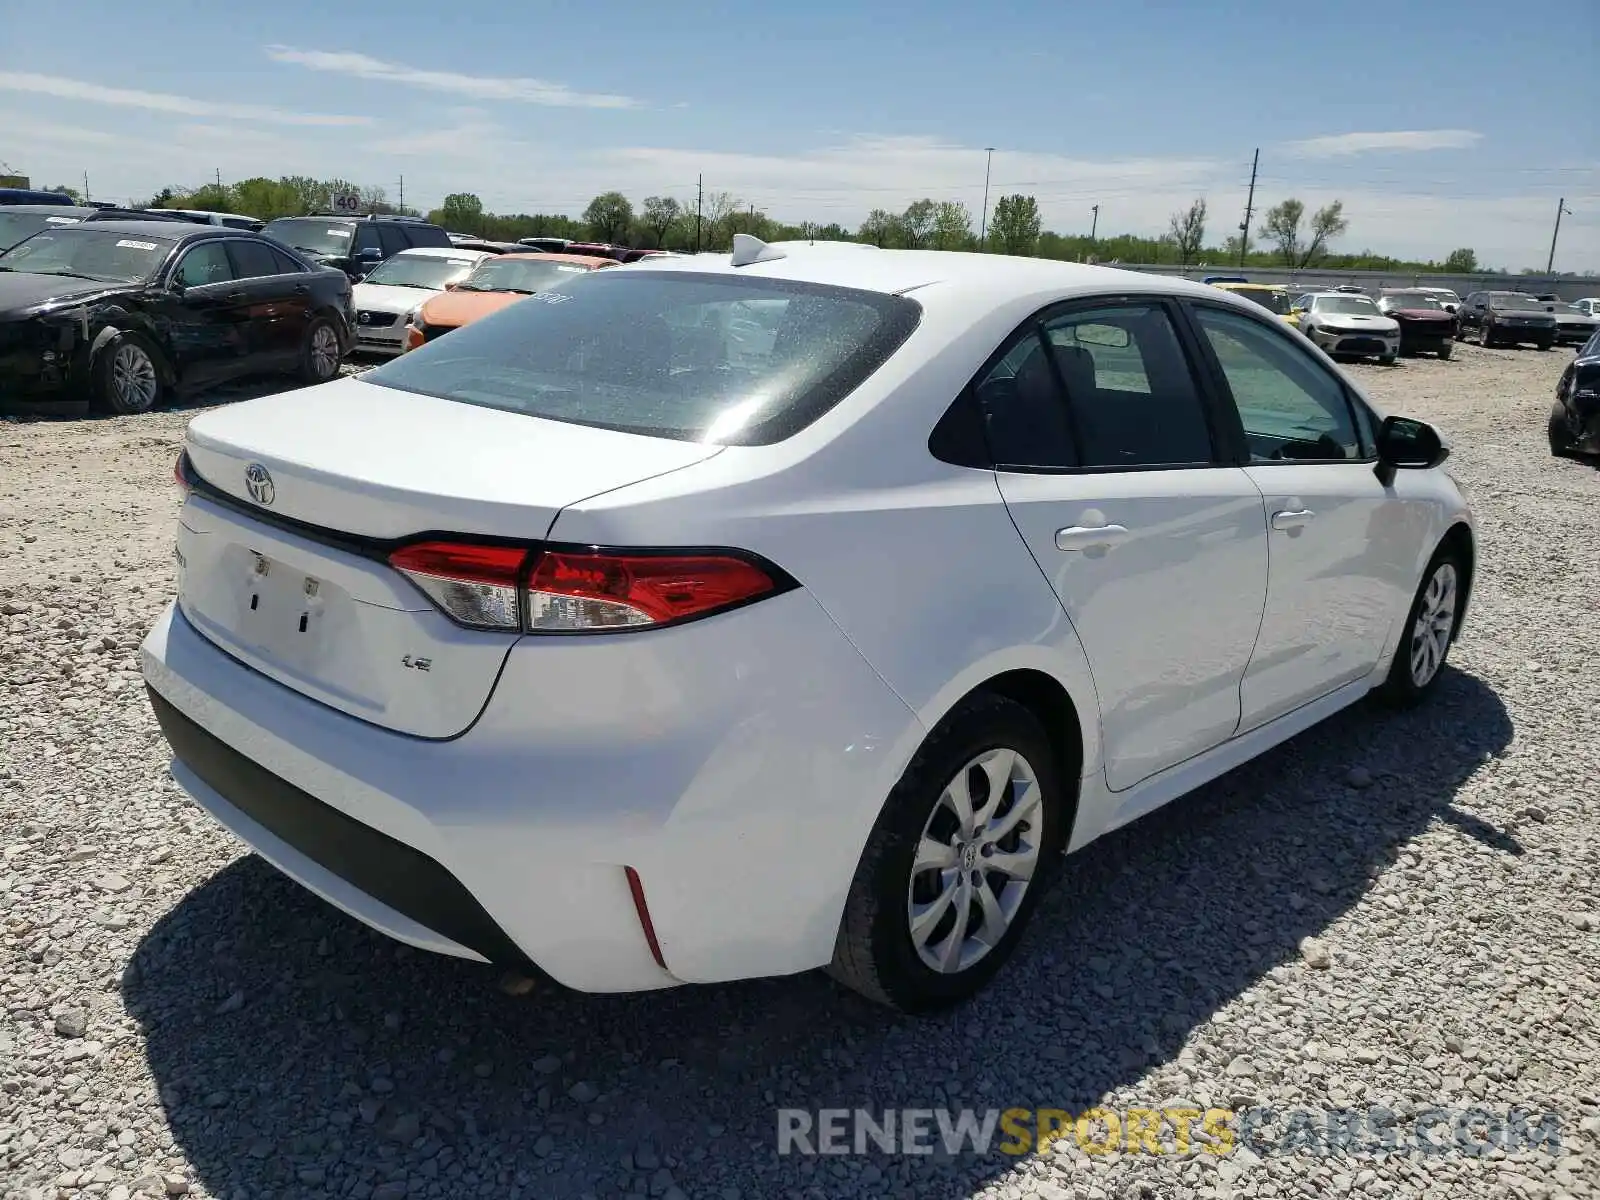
{"x": 723, "y": 617}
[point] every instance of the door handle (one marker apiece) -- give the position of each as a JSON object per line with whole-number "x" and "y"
{"x": 301, "y": 289}
{"x": 1292, "y": 518}
{"x": 1090, "y": 537}
{"x": 235, "y": 297}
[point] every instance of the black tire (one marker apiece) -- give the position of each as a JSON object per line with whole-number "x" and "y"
{"x": 1546, "y": 343}
{"x": 314, "y": 360}
{"x": 126, "y": 376}
{"x": 1561, "y": 437}
{"x": 1387, "y": 360}
{"x": 874, "y": 953}
{"x": 1446, "y": 350}
{"x": 1402, "y": 687}
{"x": 1485, "y": 336}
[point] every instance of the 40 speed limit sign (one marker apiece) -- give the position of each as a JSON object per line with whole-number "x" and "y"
{"x": 347, "y": 202}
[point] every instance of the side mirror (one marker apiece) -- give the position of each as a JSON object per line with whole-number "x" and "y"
{"x": 1406, "y": 443}
{"x": 450, "y": 287}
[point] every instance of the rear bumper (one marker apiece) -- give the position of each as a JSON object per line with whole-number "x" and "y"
{"x": 738, "y": 775}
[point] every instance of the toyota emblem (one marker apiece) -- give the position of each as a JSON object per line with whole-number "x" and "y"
{"x": 259, "y": 483}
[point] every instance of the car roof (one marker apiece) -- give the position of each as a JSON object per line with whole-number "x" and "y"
{"x": 894, "y": 272}
{"x": 444, "y": 252}
{"x": 50, "y": 210}
{"x": 172, "y": 231}
{"x": 1229, "y": 286}
{"x": 588, "y": 260}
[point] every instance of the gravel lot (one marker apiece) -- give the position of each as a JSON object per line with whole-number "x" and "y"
{"x": 178, "y": 1018}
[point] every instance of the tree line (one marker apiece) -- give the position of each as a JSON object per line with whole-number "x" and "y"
{"x": 1287, "y": 233}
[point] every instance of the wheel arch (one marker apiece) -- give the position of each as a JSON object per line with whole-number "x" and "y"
{"x": 1460, "y": 540}
{"x": 166, "y": 370}
{"x": 1047, "y": 698}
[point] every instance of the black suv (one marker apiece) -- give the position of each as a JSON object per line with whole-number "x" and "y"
{"x": 1506, "y": 318}
{"x": 354, "y": 244}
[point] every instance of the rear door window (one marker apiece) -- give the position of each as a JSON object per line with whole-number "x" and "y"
{"x": 728, "y": 360}
{"x": 1133, "y": 398}
{"x": 252, "y": 260}
{"x": 392, "y": 240}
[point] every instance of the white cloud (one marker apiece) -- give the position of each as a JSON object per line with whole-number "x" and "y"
{"x": 480, "y": 87}
{"x": 93, "y": 93}
{"x": 840, "y": 179}
{"x": 1341, "y": 144}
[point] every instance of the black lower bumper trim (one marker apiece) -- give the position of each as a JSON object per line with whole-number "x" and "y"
{"x": 389, "y": 871}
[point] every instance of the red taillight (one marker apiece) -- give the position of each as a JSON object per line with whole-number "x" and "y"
{"x": 474, "y": 585}
{"x": 570, "y": 591}
{"x": 491, "y": 587}
{"x": 178, "y": 476}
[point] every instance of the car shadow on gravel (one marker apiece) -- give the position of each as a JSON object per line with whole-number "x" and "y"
{"x": 298, "y": 1053}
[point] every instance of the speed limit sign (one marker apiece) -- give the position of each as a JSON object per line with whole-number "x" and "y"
{"x": 347, "y": 202}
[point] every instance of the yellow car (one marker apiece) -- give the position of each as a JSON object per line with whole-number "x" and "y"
{"x": 1271, "y": 296}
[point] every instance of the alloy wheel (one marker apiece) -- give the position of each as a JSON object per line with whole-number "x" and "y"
{"x": 975, "y": 861}
{"x": 324, "y": 351}
{"x": 133, "y": 379}
{"x": 1436, "y": 618}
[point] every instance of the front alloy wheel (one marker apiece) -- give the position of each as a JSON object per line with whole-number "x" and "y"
{"x": 1430, "y": 629}
{"x": 126, "y": 379}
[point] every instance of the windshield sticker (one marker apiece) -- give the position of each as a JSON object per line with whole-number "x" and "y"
{"x": 130, "y": 244}
{"x": 549, "y": 297}
{"x": 572, "y": 270}
{"x": 62, "y": 220}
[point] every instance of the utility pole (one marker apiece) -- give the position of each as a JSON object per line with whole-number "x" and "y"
{"x": 983, "y": 223}
{"x": 1550, "y": 264}
{"x": 1094, "y": 225}
{"x": 86, "y": 188}
{"x": 402, "y": 204}
{"x": 699, "y": 202}
{"x": 219, "y": 179}
{"x": 1249, "y": 209}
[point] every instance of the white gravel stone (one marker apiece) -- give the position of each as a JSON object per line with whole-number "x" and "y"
{"x": 1450, "y": 855}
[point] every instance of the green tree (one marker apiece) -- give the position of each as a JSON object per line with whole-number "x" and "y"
{"x": 1298, "y": 247}
{"x": 1188, "y": 231}
{"x": 659, "y": 214}
{"x": 952, "y": 226}
{"x": 77, "y": 196}
{"x": 917, "y": 222}
{"x": 461, "y": 211}
{"x": 1463, "y": 261}
{"x": 609, "y": 217}
{"x": 1282, "y": 226}
{"x": 1015, "y": 226}
{"x": 1326, "y": 224}
{"x": 880, "y": 227}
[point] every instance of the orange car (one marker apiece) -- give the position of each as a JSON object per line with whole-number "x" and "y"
{"x": 495, "y": 283}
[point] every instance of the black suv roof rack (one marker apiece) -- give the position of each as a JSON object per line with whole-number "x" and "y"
{"x": 372, "y": 217}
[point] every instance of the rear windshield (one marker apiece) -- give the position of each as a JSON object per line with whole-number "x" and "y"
{"x": 712, "y": 358}
{"x": 314, "y": 237}
{"x": 527, "y": 275}
{"x": 15, "y": 226}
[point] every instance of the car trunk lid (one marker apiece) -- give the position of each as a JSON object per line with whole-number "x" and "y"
{"x": 298, "y": 499}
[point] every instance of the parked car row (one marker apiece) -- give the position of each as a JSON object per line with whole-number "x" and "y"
{"x": 1346, "y": 322}
{"x": 118, "y": 312}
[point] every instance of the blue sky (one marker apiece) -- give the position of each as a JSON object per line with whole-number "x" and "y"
{"x": 1439, "y": 124}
